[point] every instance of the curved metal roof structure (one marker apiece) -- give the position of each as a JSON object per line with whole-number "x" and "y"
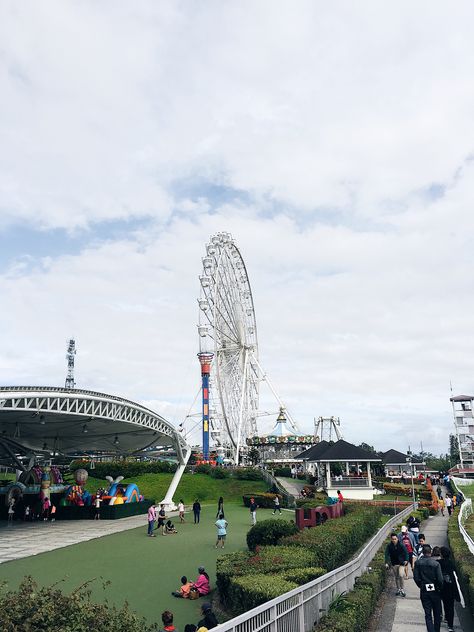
{"x": 70, "y": 421}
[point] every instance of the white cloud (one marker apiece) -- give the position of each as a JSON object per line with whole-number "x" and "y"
{"x": 346, "y": 134}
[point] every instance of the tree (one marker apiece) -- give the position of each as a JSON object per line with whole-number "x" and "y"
{"x": 254, "y": 456}
{"x": 366, "y": 446}
{"x": 454, "y": 449}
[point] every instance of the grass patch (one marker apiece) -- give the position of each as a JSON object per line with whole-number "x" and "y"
{"x": 143, "y": 570}
{"x": 191, "y": 486}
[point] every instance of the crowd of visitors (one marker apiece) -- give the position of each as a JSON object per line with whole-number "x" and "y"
{"x": 432, "y": 568}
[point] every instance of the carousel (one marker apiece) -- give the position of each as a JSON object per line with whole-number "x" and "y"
{"x": 281, "y": 445}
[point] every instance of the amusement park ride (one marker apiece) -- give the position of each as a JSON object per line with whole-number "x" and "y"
{"x": 231, "y": 373}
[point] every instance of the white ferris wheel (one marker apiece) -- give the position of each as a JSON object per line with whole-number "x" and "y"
{"x": 227, "y": 328}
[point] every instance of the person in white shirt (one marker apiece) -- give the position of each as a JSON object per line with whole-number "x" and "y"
{"x": 181, "y": 510}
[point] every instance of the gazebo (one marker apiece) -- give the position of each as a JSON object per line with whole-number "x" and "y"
{"x": 357, "y": 486}
{"x": 397, "y": 464}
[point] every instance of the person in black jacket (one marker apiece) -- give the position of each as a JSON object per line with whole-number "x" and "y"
{"x": 396, "y": 558}
{"x": 196, "y": 511}
{"x": 450, "y": 591}
{"x": 429, "y": 579}
{"x": 209, "y": 620}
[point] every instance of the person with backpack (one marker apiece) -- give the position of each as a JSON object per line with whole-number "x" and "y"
{"x": 429, "y": 579}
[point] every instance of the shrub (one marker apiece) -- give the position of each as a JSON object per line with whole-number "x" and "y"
{"x": 127, "y": 469}
{"x": 332, "y": 543}
{"x": 269, "y": 532}
{"x": 463, "y": 560}
{"x": 271, "y": 560}
{"x": 284, "y": 472}
{"x": 219, "y": 472}
{"x": 203, "y": 468}
{"x": 303, "y": 575}
{"x": 250, "y": 591}
{"x": 353, "y": 611}
{"x": 34, "y": 608}
{"x": 247, "y": 474}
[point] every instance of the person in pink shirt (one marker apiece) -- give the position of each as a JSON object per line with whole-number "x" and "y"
{"x": 202, "y": 582}
{"x": 151, "y": 520}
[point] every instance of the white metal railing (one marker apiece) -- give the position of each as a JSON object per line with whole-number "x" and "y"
{"x": 300, "y": 609}
{"x": 349, "y": 481}
{"x": 464, "y": 512}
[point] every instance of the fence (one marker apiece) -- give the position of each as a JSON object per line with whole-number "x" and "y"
{"x": 465, "y": 511}
{"x": 300, "y": 609}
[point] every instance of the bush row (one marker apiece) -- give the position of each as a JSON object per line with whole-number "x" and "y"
{"x": 269, "y": 532}
{"x": 333, "y": 543}
{"x": 406, "y": 490}
{"x": 352, "y": 612}
{"x": 285, "y": 472}
{"x": 463, "y": 560}
{"x": 127, "y": 469}
{"x": 239, "y": 473}
{"x": 245, "y": 580}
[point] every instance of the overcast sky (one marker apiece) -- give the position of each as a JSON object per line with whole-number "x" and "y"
{"x": 335, "y": 141}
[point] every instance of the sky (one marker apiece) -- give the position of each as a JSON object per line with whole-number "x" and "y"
{"x": 334, "y": 141}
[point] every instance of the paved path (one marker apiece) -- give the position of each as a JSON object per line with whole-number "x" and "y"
{"x": 292, "y": 486}
{"x": 407, "y": 613}
{"x": 30, "y": 538}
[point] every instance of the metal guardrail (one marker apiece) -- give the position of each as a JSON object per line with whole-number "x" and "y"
{"x": 300, "y": 609}
{"x": 464, "y": 512}
{"x": 349, "y": 481}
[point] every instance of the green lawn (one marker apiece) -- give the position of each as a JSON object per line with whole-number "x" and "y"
{"x": 191, "y": 486}
{"x": 143, "y": 570}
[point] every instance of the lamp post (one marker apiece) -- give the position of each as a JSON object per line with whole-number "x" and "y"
{"x": 410, "y": 463}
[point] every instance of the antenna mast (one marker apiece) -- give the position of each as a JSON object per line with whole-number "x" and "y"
{"x": 71, "y": 352}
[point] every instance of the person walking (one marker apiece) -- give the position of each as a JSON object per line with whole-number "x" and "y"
{"x": 196, "y": 511}
{"x": 151, "y": 520}
{"x": 396, "y": 558}
{"x": 181, "y": 510}
{"x": 220, "y": 508}
{"x": 413, "y": 525}
{"x": 449, "y": 504}
{"x": 276, "y": 504}
{"x": 11, "y": 511}
{"x": 221, "y": 525}
{"x": 429, "y": 579}
{"x": 253, "y": 510}
{"x": 449, "y": 592}
{"x": 97, "y": 504}
{"x": 408, "y": 541}
{"x": 441, "y": 504}
{"x": 161, "y": 519}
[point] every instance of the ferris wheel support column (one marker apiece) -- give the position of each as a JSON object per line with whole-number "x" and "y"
{"x": 241, "y": 411}
{"x": 278, "y": 398}
{"x": 205, "y": 359}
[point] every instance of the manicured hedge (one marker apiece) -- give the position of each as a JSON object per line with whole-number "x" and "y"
{"x": 250, "y": 591}
{"x": 269, "y": 560}
{"x": 355, "y": 609}
{"x": 127, "y": 469}
{"x": 247, "y": 474}
{"x": 332, "y": 543}
{"x": 406, "y": 490}
{"x": 463, "y": 560}
{"x": 269, "y": 532}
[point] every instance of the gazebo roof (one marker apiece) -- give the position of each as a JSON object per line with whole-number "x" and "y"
{"x": 339, "y": 451}
{"x": 313, "y": 453}
{"x": 394, "y": 457}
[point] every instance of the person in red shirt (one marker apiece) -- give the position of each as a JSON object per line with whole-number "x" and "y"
{"x": 340, "y": 496}
{"x": 167, "y": 618}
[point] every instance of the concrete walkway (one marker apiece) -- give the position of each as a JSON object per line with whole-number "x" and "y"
{"x": 292, "y": 486}
{"x": 23, "y": 539}
{"x": 405, "y": 614}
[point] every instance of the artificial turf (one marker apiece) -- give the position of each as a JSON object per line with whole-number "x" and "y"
{"x": 142, "y": 570}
